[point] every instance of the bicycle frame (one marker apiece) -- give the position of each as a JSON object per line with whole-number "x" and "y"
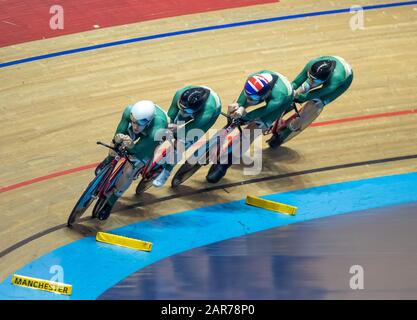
{"x": 224, "y": 133}
{"x": 110, "y": 178}
{"x": 208, "y": 144}
{"x": 281, "y": 122}
{"x": 148, "y": 170}
{"x": 203, "y": 149}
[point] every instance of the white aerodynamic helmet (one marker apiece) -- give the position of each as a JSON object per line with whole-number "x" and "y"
{"x": 142, "y": 113}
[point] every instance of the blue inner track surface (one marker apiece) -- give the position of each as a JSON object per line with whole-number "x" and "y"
{"x": 93, "y": 267}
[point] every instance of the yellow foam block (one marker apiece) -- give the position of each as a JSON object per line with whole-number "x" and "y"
{"x": 40, "y": 284}
{"x": 123, "y": 241}
{"x": 271, "y": 205}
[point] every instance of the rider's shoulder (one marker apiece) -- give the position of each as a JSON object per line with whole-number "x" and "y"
{"x": 126, "y": 111}
{"x": 160, "y": 114}
{"x": 159, "y": 110}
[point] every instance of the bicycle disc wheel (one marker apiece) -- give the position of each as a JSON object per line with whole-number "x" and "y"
{"x": 184, "y": 173}
{"x": 146, "y": 182}
{"x": 98, "y": 206}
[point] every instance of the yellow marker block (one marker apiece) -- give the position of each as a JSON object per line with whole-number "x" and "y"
{"x": 271, "y": 205}
{"x": 39, "y": 284}
{"x": 123, "y": 241}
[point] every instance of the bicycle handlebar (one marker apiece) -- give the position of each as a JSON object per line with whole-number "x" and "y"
{"x": 235, "y": 121}
{"x": 105, "y": 145}
{"x": 121, "y": 152}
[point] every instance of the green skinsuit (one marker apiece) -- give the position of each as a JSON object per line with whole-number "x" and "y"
{"x": 338, "y": 83}
{"x": 202, "y": 120}
{"x": 145, "y": 142}
{"x": 277, "y": 103}
{"x": 144, "y": 148}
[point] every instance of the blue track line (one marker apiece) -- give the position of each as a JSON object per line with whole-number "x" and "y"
{"x": 203, "y": 29}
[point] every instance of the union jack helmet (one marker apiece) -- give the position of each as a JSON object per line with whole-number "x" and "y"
{"x": 257, "y": 87}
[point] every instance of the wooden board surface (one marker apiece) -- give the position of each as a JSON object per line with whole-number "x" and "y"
{"x": 54, "y": 110}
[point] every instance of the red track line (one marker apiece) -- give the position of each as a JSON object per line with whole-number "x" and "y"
{"x": 47, "y": 177}
{"x": 93, "y": 165}
{"x": 366, "y": 117}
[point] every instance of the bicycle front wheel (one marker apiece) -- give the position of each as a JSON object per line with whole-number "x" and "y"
{"x": 86, "y": 198}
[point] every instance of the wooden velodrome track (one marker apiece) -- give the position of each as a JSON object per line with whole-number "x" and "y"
{"x": 54, "y": 110}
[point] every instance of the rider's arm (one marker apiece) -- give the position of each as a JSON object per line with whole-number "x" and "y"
{"x": 301, "y": 77}
{"x": 323, "y": 91}
{"x": 337, "y": 79}
{"x": 144, "y": 149}
{"x": 242, "y": 100}
{"x": 209, "y": 115}
{"x": 273, "y": 105}
{"x": 124, "y": 122}
{"x": 121, "y": 129}
{"x": 173, "y": 109}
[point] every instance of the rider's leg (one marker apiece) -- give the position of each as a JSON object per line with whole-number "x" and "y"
{"x": 251, "y": 132}
{"x": 308, "y": 114}
{"x": 168, "y": 167}
{"x": 162, "y": 178}
{"x": 310, "y": 111}
{"x": 169, "y": 163}
{"x": 124, "y": 182}
{"x": 186, "y": 142}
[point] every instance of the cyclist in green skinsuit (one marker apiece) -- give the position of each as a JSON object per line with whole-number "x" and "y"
{"x": 138, "y": 131}
{"x": 195, "y": 107}
{"x": 264, "y": 86}
{"x": 321, "y": 81}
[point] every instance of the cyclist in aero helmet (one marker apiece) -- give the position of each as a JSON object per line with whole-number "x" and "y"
{"x": 193, "y": 107}
{"x": 258, "y": 87}
{"x": 264, "y": 87}
{"x": 320, "y": 82}
{"x": 192, "y": 100}
{"x": 137, "y": 132}
{"x": 321, "y": 71}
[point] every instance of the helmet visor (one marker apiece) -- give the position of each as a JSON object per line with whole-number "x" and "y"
{"x": 140, "y": 122}
{"x": 253, "y": 97}
{"x": 314, "y": 80}
{"x": 186, "y": 110}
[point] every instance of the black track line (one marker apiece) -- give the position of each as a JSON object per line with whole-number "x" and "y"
{"x": 216, "y": 187}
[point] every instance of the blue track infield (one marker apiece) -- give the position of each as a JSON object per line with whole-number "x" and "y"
{"x": 93, "y": 267}
{"x": 306, "y": 260}
{"x": 203, "y": 29}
